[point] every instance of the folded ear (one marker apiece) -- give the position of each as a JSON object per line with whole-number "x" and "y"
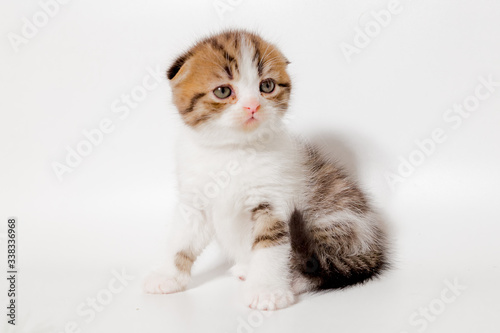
{"x": 177, "y": 65}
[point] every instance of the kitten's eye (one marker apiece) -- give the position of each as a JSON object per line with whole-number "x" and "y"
{"x": 222, "y": 92}
{"x": 267, "y": 86}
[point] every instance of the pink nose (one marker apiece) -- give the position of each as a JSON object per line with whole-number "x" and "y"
{"x": 252, "y": 107}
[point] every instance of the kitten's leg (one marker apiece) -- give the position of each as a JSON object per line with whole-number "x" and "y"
{"x": 187, "y": 242}
{"x": 268, "y": 283}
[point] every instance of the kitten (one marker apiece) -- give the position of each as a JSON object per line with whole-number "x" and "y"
{"x": 290, "y": 219}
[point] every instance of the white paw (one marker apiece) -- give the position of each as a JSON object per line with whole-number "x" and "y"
{"x": 269, "y": 299}
{"x": 239, "y": 271}
{"x": 160, "y": 283}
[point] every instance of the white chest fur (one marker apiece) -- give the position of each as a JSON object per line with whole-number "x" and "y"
{"x": 225, "y": 184}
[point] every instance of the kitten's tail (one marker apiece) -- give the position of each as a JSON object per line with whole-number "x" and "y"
{"x": 318, "y": 266}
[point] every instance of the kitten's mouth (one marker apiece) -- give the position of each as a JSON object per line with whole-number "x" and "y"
{"x": 251, "y": 123}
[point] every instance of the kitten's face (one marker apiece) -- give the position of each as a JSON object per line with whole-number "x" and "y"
{"x": 231, "y": 83}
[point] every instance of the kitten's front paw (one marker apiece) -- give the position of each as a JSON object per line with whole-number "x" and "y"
{"x": 269, "y": 299}
{"x": 160, "y": 283}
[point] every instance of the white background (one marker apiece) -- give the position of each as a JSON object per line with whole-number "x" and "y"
{"x": 112, "y": 211}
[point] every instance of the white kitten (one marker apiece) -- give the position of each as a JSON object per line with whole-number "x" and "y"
{"x": 290, "y": 220}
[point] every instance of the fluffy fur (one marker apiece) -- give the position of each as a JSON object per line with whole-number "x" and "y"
{"x": 291, "y": 220}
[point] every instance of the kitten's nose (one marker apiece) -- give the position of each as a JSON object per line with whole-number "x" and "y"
{"x": 252, "y": 106}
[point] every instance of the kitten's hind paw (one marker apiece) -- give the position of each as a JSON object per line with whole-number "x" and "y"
{"x": 239, "y": 271}
{"x": 269, "y": 299}
{"x": 160, "y": 283}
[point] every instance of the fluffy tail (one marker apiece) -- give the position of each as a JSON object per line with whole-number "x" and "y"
{"x": 323, "y": 266}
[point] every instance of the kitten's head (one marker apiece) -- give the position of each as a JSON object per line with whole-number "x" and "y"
{"x": 230, "y": 84}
